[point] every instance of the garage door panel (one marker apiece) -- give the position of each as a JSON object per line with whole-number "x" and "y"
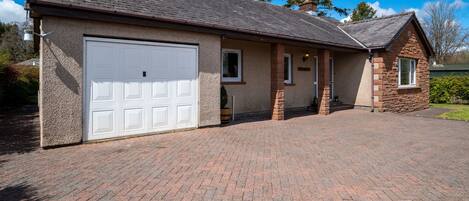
{"x": 133, "y": 90}
{"x": 184, "y": 115}
{"x": 133, "y": 119}
{"x": 160, "y": 117}
{"x": 159, "y": 63}
{"x": 160, "y": 89}
{"x": 102, "y": 90}
{"x": 122, "y": 101}
{"x": 184, "y": 57}
{"x": 134, "y": 62}
{"x": 99, "y": 54}
{"x": 184, "y": 88}
{"x": 103, "y": 122}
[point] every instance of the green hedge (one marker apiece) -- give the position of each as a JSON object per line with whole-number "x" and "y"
{"x": 18, "y": 85}
{"x": 449, "y": 89}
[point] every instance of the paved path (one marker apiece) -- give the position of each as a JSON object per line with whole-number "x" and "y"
{"x": 349, "y": 155}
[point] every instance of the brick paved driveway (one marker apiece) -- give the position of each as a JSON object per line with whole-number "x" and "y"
{"x": 349, "y": 155}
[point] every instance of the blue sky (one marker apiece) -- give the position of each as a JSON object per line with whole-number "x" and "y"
{"x": 11, "y": 10}
{"x": 390, "y": 6}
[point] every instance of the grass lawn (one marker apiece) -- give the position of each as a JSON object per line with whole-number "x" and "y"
{"x": 458, "y": 112}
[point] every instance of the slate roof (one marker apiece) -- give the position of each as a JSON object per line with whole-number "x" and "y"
{"x": 378, "y": 32}
{"x": 247, "y": 16}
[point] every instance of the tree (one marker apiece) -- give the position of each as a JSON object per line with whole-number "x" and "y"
{"x": 12, "y": 43}
{"x": 324, "y": 7}
{"x": 460, "y": 57}
{"x": 363, "y": 11}
{"x": 444, "y": 32}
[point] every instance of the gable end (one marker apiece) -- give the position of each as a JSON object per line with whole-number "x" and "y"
{"x": 420, "y": 32}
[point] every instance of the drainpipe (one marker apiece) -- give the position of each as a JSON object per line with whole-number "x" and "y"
{"x": 370, "y": 58}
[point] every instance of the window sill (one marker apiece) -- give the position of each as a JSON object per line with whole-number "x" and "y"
{"x": 289, "y": 84}
{"x": 407, "y": 87}
{"x": 233, "y": 83}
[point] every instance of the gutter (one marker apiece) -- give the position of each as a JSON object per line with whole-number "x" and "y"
{"x": 38, "y": 3}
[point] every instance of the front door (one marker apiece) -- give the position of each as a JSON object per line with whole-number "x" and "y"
{"x": 315, "y": 77}
{"x": 331, "y": 78}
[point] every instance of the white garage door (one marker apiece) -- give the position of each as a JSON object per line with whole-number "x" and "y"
{"x": 138, "y": 87}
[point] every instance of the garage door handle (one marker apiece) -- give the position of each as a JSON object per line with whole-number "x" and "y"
{"x": 144, "y": 73}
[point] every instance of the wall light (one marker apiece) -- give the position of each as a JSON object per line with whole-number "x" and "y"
{"x": 29, "y": 34}
{"x": 305, "y": 57}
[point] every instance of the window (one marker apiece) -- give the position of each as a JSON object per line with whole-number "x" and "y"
{"x": 407, "y": 72}
{"x": 287, "y": 76}
{"x": 231, "y": 65}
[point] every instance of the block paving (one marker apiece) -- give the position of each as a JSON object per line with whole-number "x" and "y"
{"x": 348, "y": 155}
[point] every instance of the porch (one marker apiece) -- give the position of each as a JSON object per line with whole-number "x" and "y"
{"x": 269, "y": 79}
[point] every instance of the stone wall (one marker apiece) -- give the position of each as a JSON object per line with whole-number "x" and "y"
{"x": 387, "y": 95}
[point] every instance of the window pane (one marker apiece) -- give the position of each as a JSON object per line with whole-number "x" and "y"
{"x": 286, "y": 65}
{"x": 412, "y": 72}
{"x": 230, "y": 65}
{"x": 405, "y": 68}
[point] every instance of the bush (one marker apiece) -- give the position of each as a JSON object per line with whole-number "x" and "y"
{"x": 449, "y": 89}
{"x": 19, "y": 86}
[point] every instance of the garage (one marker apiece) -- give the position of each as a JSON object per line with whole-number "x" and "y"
{"x": 138, "y": 87}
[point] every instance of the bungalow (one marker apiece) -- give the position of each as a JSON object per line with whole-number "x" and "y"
{"x": 122, "y": 68}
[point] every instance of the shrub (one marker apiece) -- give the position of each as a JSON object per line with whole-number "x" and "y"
{"x": 19, "y": 85}
{"x": 449, "y": 89}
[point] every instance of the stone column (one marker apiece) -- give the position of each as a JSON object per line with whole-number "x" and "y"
{"x": 277, "y": 82}
{"x": 324, "y": 82}
{"x": 378, "y": 85}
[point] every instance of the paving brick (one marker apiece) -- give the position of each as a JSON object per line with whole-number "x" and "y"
{"x": 348, "y": 155}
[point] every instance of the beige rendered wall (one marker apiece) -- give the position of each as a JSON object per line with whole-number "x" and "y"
{"x": 300, "y": 94}
{"x": 61, "y": 84}
{"x": 253, "y": 94}
{"x": 352, "y": 78}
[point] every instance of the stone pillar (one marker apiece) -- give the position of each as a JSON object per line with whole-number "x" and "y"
{"x": 277, "y": 82}
{"x": 378, "y": 85}
{"x": 324, "y": 82}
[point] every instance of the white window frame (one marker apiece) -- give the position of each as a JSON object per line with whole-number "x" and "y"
{"x": 290, "y": 73}
{"x": 412, "y": 75}
{"x": 240, "y": 67}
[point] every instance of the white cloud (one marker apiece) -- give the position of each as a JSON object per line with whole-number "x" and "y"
{"x": 380, "y": 12}
{"x": 348, "y": 18}
{"x": 420, "y": 13}
{"x": 11, "y": 12}
{"x": 459, "y": 4}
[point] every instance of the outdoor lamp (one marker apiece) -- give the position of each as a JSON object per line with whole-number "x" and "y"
{"x": 28, "y": 35}
{"x": 305, "y": 57}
